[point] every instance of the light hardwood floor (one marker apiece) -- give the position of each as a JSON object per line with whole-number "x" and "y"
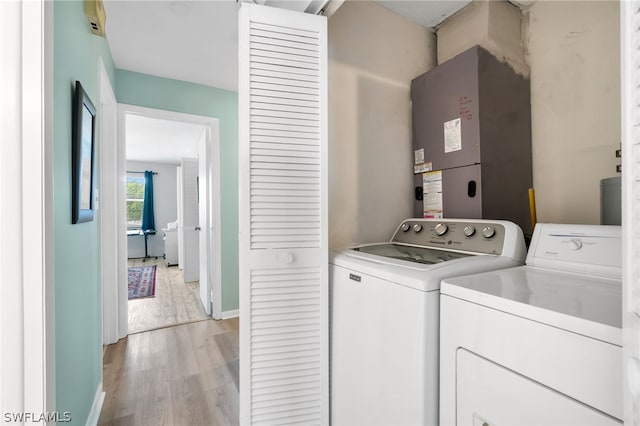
{"x": 175, "y": 302}
{"x": 182, "y": 375}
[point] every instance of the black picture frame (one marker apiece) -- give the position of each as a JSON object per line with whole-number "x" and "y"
{"x": 82, "y": 156}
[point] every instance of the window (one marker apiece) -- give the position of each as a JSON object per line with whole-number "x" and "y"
{"x": 135, "y": 201}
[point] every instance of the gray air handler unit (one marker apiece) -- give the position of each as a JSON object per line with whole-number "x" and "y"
{"x": 472, "y": 140}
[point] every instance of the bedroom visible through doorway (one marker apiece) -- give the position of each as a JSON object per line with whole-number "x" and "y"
{"x": 169, "y": 185}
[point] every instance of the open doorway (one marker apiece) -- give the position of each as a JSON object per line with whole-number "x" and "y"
{"x": 170, "y": 175}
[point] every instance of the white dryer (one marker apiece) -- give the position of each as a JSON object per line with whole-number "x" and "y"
{"x": 539, "y": 344}
{"x": 385, "y": 310}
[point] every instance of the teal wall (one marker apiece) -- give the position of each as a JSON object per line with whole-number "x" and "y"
{"x": 179, "y": 96}
{"x": 78, "y": 328}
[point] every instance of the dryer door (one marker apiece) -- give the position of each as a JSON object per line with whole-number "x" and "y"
{"x": 489, "y": 394}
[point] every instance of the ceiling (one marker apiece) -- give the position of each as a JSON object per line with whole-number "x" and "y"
{"x": 161, "y": 141}
{"x": 427, "y": 13}
{"x": 197, "y": 41}
{"x": 193, "y": 41}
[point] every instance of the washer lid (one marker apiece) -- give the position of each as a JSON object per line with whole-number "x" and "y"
{"x": 420, "y": 276}
{"x": 421, "y": 255}
{"x": 583, "y": 304}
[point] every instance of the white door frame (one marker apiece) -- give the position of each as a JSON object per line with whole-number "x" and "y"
{"x": 205, "y": 219}
{"x": 629, "y": 37}
{"x": 213, "y": 135}
{"x": 110, "y": 256}
{"x": 27, "y": 346}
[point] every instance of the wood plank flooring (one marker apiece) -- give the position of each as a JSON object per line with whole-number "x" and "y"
{"x": 175, "y": 302}
{"x": 181, "y": 375}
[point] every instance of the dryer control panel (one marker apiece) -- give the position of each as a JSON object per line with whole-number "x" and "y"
{"x": 589, "y": 249}
{"x": 475, "y": 235}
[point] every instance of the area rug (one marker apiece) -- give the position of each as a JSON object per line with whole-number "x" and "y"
{"x": 142, "y": 281}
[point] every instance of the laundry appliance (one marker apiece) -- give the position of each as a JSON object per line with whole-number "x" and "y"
{"x": 539, "y": 344}
{"x": 385, "y": 310}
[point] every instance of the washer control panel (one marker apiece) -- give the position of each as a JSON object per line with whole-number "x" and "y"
{"x": 480, "y": 236}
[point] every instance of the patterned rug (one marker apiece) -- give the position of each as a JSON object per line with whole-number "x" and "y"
{"x": 142, "y": 281}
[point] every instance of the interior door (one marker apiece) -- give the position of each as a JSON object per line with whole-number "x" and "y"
{"x": 189, "y": 227}
{"x": 630, "y": 54}
{"x": 283, "y": 217}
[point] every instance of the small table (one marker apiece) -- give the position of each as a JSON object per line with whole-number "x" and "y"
{"x": 145, "y": 234}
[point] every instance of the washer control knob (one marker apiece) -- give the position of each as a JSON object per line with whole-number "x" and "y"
{"x": 441, "y": 229}
{"x": 405, "y": 227}
{"x": 488, "y": 231}
{"x": 469, "y": 230}
{"x": 575, "y": 244}
{"x": 417, "y": 228}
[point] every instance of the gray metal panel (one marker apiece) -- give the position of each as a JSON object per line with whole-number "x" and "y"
{"x": 493, "y": 103}
{"x": 610, "y": 201}
{"x": 455, "y": 198}
{"x": 444, "y": 93}
{"x": 505, "y": 131}
{"x": 417, "y": 204}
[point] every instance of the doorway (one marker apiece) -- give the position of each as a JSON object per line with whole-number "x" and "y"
{"x": 162, "y": 142}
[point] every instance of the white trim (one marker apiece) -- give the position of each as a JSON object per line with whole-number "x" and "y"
{"x": 50, "y": 302}
{"x": 214, "y": 140}
{"x": 11, "y": 301}
{"x": 96, "y": 407}
{"x": 216, "y": 306}
{"x": 629, "y": 56}
{"x": 234, "y": 313}
{"x": 107, "y": 207}
{"x": 33, "y": 206}
{"x": 122, "y": 299}
{"x": 25, "y": 264}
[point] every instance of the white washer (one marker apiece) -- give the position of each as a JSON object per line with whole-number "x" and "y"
{"x": 385, "y": 309}
{"x": 539, "y": 344}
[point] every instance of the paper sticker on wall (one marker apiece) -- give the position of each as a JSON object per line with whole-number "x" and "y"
{"x": 421, "y": 168}
{"x": 418, "y": 156}
{"x": 432, "y": 194}
{"x": 452, "y": 135}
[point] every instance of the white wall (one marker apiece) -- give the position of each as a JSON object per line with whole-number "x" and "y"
{"x": 574, "y": 56}
{"x": 165, "y": 206}
{"x": 494, "y": 25}
{"x": 373, "y": 56}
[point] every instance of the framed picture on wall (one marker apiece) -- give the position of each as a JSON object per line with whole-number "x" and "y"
{"x": 83, "y": 156}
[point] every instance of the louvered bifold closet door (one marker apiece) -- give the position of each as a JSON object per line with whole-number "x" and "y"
{"x": 283, "y": 217}
{"x": 630, "y": 53}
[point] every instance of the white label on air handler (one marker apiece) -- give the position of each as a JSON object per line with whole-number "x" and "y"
{"x": 452, "y": 135}
{"x": 432, "y": 194}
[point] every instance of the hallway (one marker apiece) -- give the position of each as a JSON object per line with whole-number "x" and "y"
{"x": 181, "y": 375}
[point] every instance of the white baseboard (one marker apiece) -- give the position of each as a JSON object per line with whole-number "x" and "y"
{"x": 230, "y": 314}
{"x": 94, "y": 414}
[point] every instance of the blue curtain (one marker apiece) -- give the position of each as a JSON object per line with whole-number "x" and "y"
{"x": 148, "y": 221}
